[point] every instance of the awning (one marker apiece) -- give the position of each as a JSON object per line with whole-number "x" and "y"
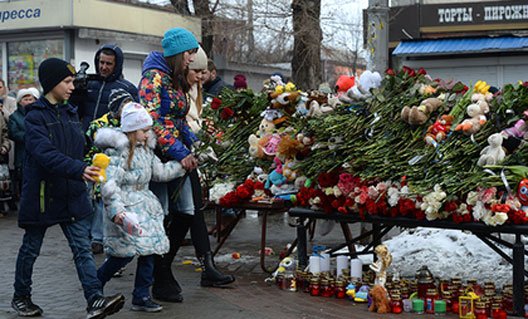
{"x": 460, "y": 45}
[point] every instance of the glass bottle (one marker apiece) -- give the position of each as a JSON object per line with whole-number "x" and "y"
{"x": 507, "y": 301}
{"x": 315, "y": 289}
{"x": 306, "y": 282}
{"x": 448, "y": 297}
{"x": 340, "y": 289}
{"x": 279, "y": 280}
{"x": 405, "y": 293}
{"x": 489, "y": 285}
{"x": 497, "y": 312}
{"x": 396, "y": 304}
{"x": 473, "y": 284}
{"x": 430, "y": 298}
{"x": 325, "y": 288}
{"x": 480, "y": 310}
{"x": 456, "y": 281}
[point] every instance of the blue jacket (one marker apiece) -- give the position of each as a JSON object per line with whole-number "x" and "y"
{"x": 95, "y": 103}
{"x": 53, "y": 190}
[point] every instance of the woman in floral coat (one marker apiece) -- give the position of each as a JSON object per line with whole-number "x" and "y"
{"x": 163, "y": 89}
{"x": 133, "y": 165}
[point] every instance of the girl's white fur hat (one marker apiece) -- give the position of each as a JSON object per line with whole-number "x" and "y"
{"x": 134, "y": 117}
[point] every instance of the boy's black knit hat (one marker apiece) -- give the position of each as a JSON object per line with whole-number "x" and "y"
{"x": 52, "y": 71}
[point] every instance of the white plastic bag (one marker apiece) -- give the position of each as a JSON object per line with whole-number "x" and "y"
{"x": 131, "y": 224}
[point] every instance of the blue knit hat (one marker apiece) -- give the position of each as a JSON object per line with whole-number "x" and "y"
{"x": 178, "y": 40}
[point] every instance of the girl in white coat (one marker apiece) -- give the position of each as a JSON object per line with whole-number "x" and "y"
{"x": 126, "y": 193}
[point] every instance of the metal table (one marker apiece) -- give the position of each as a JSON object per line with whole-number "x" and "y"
{"x": 264, "y": 209}
{"x": 382, "y": 225}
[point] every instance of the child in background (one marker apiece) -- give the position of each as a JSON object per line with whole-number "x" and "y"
{"x": 133, "y": 219}
{"x": 17, "y": 132}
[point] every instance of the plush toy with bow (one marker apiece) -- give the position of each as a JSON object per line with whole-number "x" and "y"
{"x": 438, "y": 131}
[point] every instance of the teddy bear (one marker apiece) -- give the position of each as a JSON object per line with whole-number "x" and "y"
{"x": 477, "y": 112}
{"x": 437, "y": 132}
{"x": 266, "y": 127}
{"x": 418, "y": 115}
{"x": 380, "y": 301}
{"x": 492, "y": 154}
{"x": 102, "y": 161}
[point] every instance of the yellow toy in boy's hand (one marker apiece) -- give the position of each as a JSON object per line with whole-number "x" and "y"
{"x": 102, "y": 161}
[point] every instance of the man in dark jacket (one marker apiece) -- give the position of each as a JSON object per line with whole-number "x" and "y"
{"x": 213, "y": 84}
{"x": 54, "y": 191}
{"x": 94, "y": 102}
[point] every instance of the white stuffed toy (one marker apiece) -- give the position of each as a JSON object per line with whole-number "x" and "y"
{"x": 492, "y": 154}
{"x": 367, "y": 81}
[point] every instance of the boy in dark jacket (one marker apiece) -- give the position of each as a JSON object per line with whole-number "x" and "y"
{"x": 54, "y": 191}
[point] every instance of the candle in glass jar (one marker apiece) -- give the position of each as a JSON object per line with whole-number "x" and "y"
{"x": 340, "y": 289}
{"x": 480, "y": 310}
{"x": 314, "y": 287}
{"x": 396, "y": 304}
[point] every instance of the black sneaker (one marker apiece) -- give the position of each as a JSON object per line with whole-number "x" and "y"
{"x": 101, "y": 307}
{"x": 25, "y": 307}
{"x": 146, "y": 305}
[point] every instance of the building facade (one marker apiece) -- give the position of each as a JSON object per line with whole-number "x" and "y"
{"x": 462, "y": 40}
{"x": 33, "y": 30}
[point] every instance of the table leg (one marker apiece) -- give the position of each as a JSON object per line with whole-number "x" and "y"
{"x": 263, "y": 244}
{"x": 518, "y": 276}
{"x": 302, "y": 254}
{"x": 218, "y": 226}
{"x": 230, "y": 228}
{"x": 349, "y": 238}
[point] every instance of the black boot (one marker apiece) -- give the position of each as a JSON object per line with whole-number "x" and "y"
{"x": 165, "y": 286}
{"x": 212, "y": 277}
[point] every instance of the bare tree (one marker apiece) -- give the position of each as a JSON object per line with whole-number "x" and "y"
{"x": 307, "y": 33}
{"x": 181, "y": 6}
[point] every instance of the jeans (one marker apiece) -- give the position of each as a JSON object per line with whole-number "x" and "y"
{"x": 144, "y": 274}
{"x": 97, "y": 221}
{"x": 160, "y": 190}
{"x": 78, "y": 236}
{"x": 184, "y": 203}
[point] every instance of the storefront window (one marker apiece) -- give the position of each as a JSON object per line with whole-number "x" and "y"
{"x": 25, "y": 57}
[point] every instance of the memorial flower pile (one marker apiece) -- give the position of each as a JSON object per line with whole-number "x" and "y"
{"x": 411, "y": 146}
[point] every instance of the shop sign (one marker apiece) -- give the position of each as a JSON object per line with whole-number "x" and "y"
{"x": 20, "y": 14}
{"x": 27, "y": 14}
{"x": 504, "y": 12}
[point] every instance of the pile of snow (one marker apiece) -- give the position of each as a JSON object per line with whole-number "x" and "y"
{"x": 448, "y": 254}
